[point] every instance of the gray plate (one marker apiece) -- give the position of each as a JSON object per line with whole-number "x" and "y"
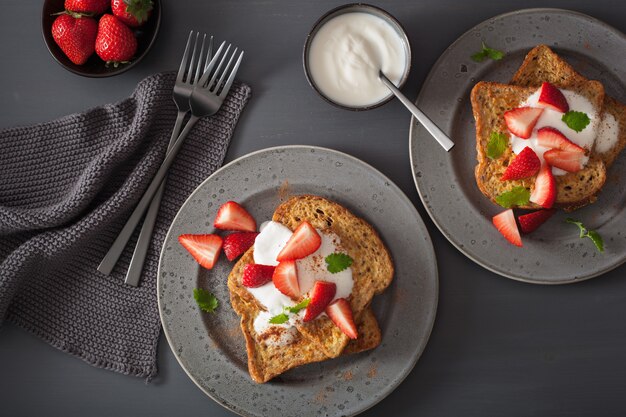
{"x": 210, "y": 347}
{"x": 553, "y": 254}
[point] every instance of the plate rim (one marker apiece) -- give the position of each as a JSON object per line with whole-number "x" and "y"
{"x": 429, "y": 245}
{"x": 413, "y": 124}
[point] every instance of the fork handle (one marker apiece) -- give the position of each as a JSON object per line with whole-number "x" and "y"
{"x": 145, "y": 236}
{"x": 116, "y": 249}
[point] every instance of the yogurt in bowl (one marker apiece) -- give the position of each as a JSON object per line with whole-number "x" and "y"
{"x": 345, "y": 51}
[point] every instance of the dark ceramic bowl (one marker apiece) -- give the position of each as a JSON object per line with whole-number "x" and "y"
{"x": 95, "y": 67}
{"x": 363, "y": 8}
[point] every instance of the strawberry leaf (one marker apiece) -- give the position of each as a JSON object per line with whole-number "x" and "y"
{"x": 205, "y": 300}
{"x": 591, "y": 234}
{"x": 337, "y": 262}
{"x": 518, "y": 196}
{"x": 497, "y": 145}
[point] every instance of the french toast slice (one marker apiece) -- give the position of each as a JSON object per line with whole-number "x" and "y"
{"x": 265, "y": 361}
{"x": 543, "y": 64}
{"x": 489, "y": 103}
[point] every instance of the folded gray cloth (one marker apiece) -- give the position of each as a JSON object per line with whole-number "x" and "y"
{"x": 66, "y": 189}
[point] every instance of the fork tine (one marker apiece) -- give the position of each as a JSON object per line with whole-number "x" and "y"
{"x": 183, "y": 62}
{"x": 193, "y": 58}
{"x": 231, "y": 77}
{"x": 219, "y": 67}
{"x": 209, "y": 68}
{"x": 199, "y": 67}
{"x": 225, "y": 72}
{"x": 209, "y": 55}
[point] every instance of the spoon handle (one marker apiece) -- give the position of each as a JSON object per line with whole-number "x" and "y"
{"x": 428, "y": 124}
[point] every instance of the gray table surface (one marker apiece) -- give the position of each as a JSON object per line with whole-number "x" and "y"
{"x": 498, "y": 347}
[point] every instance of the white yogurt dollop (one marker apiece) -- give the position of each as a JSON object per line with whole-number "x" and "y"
{"x": 347, "y": 53}
{"x": 607, "y": 133}
{"x": 552, "y": 118}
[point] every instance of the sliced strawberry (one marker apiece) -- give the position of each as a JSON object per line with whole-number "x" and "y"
{"x": 552, "y": 138}
{"x": 553, "y": 98}
{"x": 544, "y": 192}
{"x": 255, "y": 275}
{"x": 304, "y": 241}
{"x": 231, "y": 216}
{"x": 525, "y": 165}
{"x": 505, "y": 223}
{"x": 322, "y": 294}
{"x": 531, "y": 221}
{"x": 522, "y": 120}
{"x": 341, "y": 314}
{"x": 237, "y": 243}
{"x": 566, "y": 160}
{"x": 286, "y": 279}
{"x": 204, "y": 248}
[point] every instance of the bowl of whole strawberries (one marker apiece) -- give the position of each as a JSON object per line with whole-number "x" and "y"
{"x": 100, "y": 38}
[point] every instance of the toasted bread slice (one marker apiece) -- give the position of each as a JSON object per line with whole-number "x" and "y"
{"x": 489, "y": 102}
{"x": 543, "y": 64}
{"x": 266, "y": 361}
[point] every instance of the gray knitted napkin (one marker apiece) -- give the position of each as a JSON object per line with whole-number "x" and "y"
{"x": 66, "y": 189}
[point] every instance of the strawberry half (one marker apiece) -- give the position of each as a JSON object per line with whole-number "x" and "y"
{"x": 341, "y": 314}
{"x": 255, "y": 275}
{"x": 552, "y": 138}
{"x": 237, "y": 243}
{"x": 231, "y": 216}
{"x": 522, "y": 120}
{"x": 304, "y": 241}
{"x": 505, "y": 223}
{"x": 525, "y": 165}
{"x": 205, "y": 249}
{"x": 566, "y": 160}
{"x": 553, "y": 98}
{"x": 544, "y": 192}
{"x": 285, "y": 279}
{"x": 531, "y": 221}
{"x": 322, "y": 294}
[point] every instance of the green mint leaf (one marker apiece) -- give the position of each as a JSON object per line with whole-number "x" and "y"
{"x": 518, "y": 196}
{"x": 337, "y": 262}
{"x": 576, "y": 120}
{"x": 205, "y": 300}
{"x": 479, "y": 56}
{"x": 487, "y": 52}
{"x": 279, "y": 319}
{"x": 591, "y": 234}
{"x": 301, "y": 305}
{"x": 497, "y": 145}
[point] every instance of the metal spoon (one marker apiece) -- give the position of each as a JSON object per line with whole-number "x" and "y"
{"x": 428, "y": 124}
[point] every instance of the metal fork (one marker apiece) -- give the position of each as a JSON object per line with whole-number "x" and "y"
{"x": 185, "y": 80}
{"x": 206, "y": 99}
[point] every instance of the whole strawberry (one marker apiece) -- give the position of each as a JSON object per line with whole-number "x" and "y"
{"x": 115, "y": 42}
{"x": 76, "y": 36}
{"x": 132, "y": 12}
{"x": 92, "y": 7}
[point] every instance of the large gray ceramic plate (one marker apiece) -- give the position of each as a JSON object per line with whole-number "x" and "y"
{"x": 554, "y": 254}
{"x": 210, "y": 347}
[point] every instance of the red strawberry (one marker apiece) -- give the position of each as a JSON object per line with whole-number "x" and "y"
{"x": 231, "y": 216}
{"x": 92, "y": 7}
{"x": 552, "y": 97}
{"x": 255, "y": 275}
{"x": 549, "y": 137}
{"x": 237, "y": 243}
{"x": 115, "y": 43}
{"x": 322, "y": 294}
{"x": 204, "y": 248}
{"x": 544, "y": 192}
{"x": 531, "y": 221}
{"x": 76, "y": 36}
{"x": 341, "y": 314}
{"x": 132, "y": 12}
{"x": 526, "y": 164}
{"x": 522, "y": 120}
{"x": 505, "y": 223}
{"x": 286, "y": 279}
{"x": 304, "y": 241}
{"x": 566, "y": 160}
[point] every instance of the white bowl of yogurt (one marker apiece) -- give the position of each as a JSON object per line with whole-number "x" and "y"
{"x": 345, "y": 50}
